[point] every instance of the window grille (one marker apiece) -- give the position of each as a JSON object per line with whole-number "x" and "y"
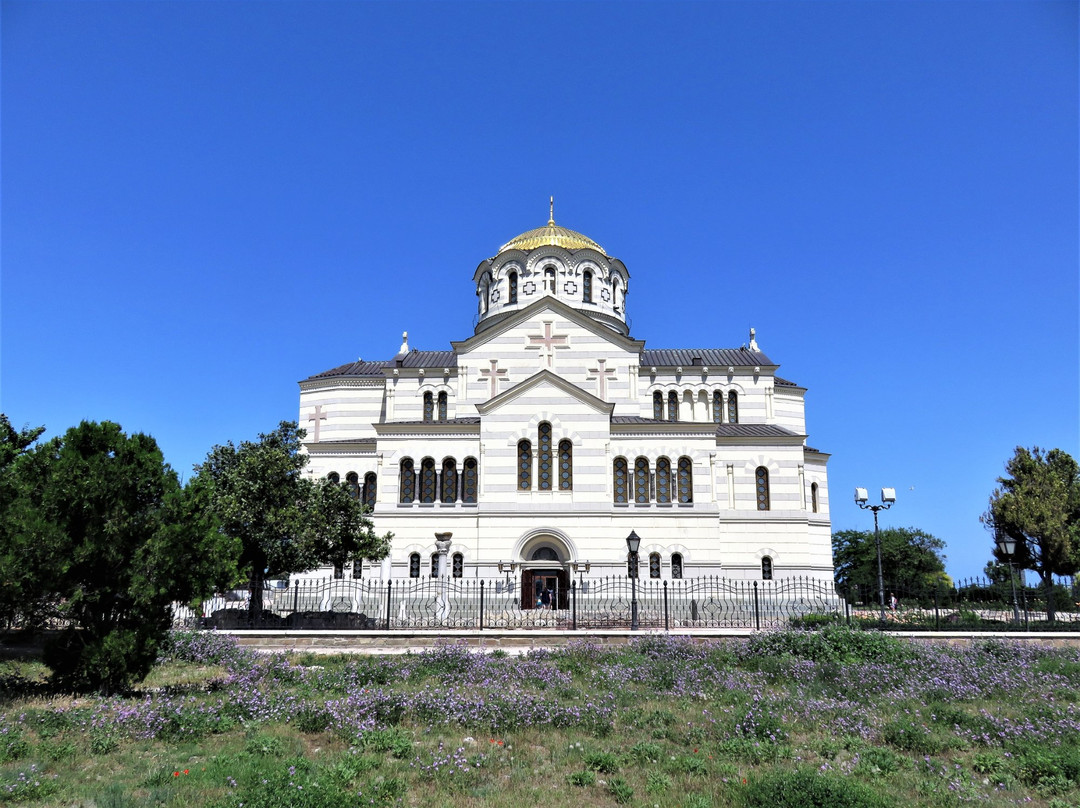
{"x": 407, "y": 481}
{"x": 427, "y": 480}
{"x": 586, "y": 283}
{"x": 676, "y": 565}
{"x": 429, "y": 407}
{"x": 718, "y": 407}
{"x": 663, "y": 480}
{"x": 544, "y": 457}
{"x": 470, "y": 478}
{"x": 442, "y": 406}
{"x": 524, "y": 465}
{"x": 458, "y": 566}
{"x": 513, "y": 288}
{"x": 620, "y": 473}
{"x": 658, "y": 406}
{"x": 370, "y": 482}
{"x": 414, "y": 565}
{"x": 641, "y": 480}
{"x": 762, "y": 477}
{"x": 353, "y": 482}
{"x": 673, "y": 406}
{"x": 766, "y": 568}
{"x": 434, "y": 565}
{"x": 566, "y": 463}
{"x": 449, "y": 480}
{"x": 654, "y": 565}
{"x": 686, "y": 480}
{"x": 733, "y": 407}
{"x": 334, "y": 477}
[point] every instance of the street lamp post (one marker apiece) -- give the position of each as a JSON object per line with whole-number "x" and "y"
{"x": 1007, "y": 547}
{"x": 888, "y": 497}
{"x": 633, "y": 541}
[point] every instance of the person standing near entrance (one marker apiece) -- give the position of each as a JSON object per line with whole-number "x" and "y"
{"x": 545, "y": 598}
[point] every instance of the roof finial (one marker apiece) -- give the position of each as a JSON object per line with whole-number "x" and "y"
{"x": 551, "y": 216}
{"x": 753, "y": 342}
{"x": 404, "y": 343}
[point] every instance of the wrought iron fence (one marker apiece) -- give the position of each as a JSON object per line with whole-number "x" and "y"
{"x": 974, "y": 604}
{"x": 455, "y": 603}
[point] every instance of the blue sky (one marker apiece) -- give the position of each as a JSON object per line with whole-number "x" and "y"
{"x": 203, "y": 203}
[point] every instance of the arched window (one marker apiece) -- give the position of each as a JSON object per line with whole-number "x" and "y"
{"x": 586, "y": 283}
{"x": 733, "y": 407}
{"x": 434, "y": 565}
{"x": 469, "y": 481}
{"x": 673, "y": 406}
{"x": 676, "y": 565}
{"x": 512, "y": 298}
{"x": 620, "y": 473}
{"x": 339, "y": 572}
{"x": 663, "y": 480}
{"x": 457, "y": 565}
{"x": 631, "y": 565}
{"x": 641, "y": 479}
{"x": 407, "y": 481}
{"x": 766, "y": 568}
{"x": 449, "y": 480}
{"x": 616, "y": 293}
{"x": 358, "y": 568}
{"x": 549, "y": 279}
{"x": 368, "y": 497}
{"x": 334, "y": 477}
{"x": 654, "y": 565}
{"x": 524, "y": 465}
{"x": 813, "y": 497}
{"x": 352, "y": 482}
{"x": 482, "y": 293}
{"x": 427, "y": 480}
{"x": 718, "y": 407}
{"x": 566, "y": 465}
{"x": 543, "y": 457}
{"x": 762, "y": 478}
{"x": 414, "y": 565}
{"x": 442, "y": 406}
{"x": 658, "y": 406}
{"x": 686, "y": 480}
{"x": 429, "y": 407}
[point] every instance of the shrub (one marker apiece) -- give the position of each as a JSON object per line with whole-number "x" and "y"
{"x": 582, "y": 779}
{"x": 657, "y": 783}
{"x": 646, "y": 752}
{"x": 620, "y": 790}
{"x": 806, "y": 789}
{"x": 603, "y": 762}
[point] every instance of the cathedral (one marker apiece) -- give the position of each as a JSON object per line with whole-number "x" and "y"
{"x": 533, "y": 447}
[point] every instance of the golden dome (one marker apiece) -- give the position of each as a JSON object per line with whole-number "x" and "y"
{"x": 551, "y": 235}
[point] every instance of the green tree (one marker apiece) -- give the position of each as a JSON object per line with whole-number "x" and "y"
{"x": 1037, "y": 504}
{"x": 911, "y": 560}
{"x": 110, "y": 539}
{"x": 17, "y": 594}
{"x": 284, "y": 522}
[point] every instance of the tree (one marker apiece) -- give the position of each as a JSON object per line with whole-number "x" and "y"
{"x": 1037, "y": 504}
{"x": 109, "y": 538}
{"x": 284, "y": 522}
{"x": 911, "y": 560}
{"x": 16, "y": 592}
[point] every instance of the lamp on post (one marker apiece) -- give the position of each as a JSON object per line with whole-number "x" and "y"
{"x": 888, "y": 497}
{"x": 633, "y": 541}
{"x": 1007, "y": 547}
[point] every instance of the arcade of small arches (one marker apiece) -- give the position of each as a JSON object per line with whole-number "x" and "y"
{"x": 443, "y": 484}
{"x": 364, "y": 492}
{"x": 508, "y": 286}
{"x": 642, "y": 484}
{"x": 684, "y": 405}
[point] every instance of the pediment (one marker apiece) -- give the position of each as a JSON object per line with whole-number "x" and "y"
{"x": 537, "y": 309}
{"x": 544, "y": 378}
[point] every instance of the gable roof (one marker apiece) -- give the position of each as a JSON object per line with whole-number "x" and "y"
{"x": 707, "y": 357}
{"x": 545, "y": 375}
{"x": 553, "y": 303}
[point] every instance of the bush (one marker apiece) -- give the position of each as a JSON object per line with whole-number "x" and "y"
{"x": 806, "y": 789}
{"x": 582, "y": 779}
{"x": 620, "y": 790}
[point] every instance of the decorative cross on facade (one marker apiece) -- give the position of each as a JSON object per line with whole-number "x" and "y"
{"x": 494, "y": 374}
{"x": 601, "y": 377}
{"x": 548, "y": 343}
{"x": 317, "y": 417}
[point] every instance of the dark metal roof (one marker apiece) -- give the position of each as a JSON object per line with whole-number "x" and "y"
{"x": 471, "y": 420}
{"x": 636, "y": 419}
{"x": 353, "y": 369}
{"x": 753, "y": 431}
{"x": 784, "y": 382}
{"x": 692, "y": 357}
{"x": 425, "y": 359}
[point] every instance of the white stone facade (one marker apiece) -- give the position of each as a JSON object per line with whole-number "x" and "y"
{"x": 721, "y": 483}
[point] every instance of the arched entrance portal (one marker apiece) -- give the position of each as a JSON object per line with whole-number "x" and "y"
{"x": 545, "y": 580}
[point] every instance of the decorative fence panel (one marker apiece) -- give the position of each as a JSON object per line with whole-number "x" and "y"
{"x": 455, "y": 603}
